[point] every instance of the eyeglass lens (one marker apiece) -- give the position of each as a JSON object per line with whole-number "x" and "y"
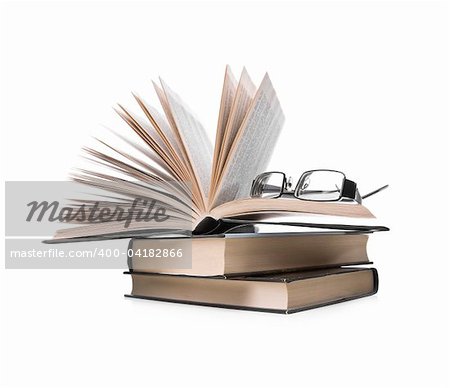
{"x": 270, "y": 185}
{"x": 320, "y": 185}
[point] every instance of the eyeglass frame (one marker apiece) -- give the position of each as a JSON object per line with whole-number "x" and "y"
{"x": 349, "y": 189}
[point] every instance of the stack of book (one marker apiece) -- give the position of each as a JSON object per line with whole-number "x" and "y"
{"x": 269, "y": 272}
{"x": 171, "y": 161}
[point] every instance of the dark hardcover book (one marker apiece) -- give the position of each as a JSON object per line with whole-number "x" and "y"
{"x": 278, "y": 293}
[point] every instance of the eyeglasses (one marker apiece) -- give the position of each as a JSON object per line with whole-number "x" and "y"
{"x": 313, "y": 185}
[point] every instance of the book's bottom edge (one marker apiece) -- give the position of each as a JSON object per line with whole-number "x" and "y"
{"x": 246, "y": 308}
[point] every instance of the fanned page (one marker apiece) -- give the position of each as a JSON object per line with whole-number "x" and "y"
{"x": 149, "y": 136}
{"x": 226, "y": 103}
{"x": 241, "y": 104}
{"x": 252, "y": 146}
{"x": 198, "y": 197}
{"x": 194, "y": 138}
{"x": 163, "y": 129}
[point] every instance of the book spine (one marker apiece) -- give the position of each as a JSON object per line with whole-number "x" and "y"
{"x": 129, "y": 255}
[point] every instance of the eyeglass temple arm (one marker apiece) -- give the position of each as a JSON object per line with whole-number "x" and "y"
{"x": 374, "y": 192}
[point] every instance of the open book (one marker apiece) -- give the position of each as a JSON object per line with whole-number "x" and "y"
{"x": 176, "y": 164}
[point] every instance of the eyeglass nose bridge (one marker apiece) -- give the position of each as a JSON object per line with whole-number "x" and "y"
{"x": 288, "y": 184}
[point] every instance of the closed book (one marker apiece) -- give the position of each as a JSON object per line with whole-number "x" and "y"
{"x": 234, "y": 254}
{"x": 280, "y": 293}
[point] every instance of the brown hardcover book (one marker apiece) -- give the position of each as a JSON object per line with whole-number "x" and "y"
{"x": 252, "y": 253}
{"x": 280, "y": 293}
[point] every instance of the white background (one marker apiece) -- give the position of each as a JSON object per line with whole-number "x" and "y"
{"x": 365, "y": 89}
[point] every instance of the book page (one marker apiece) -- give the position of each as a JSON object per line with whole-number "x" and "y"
{"x": 198, "y": 195}
{"x": 194, "y": 138}
{"x": 146, "y": 134}
{"x": 150, "y": 129}
{"x": 253, "y": 145}
{"x": 171, "y": 121}
{"x": 161, "y": 125}
{"x": 241, "y": 104}
{"x": 269, "y": 207}
{"x": 226, "y": 102}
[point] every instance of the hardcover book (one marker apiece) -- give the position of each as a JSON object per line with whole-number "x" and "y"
{"x": 253, "y": 253}
{"x": 280, "y": 293}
